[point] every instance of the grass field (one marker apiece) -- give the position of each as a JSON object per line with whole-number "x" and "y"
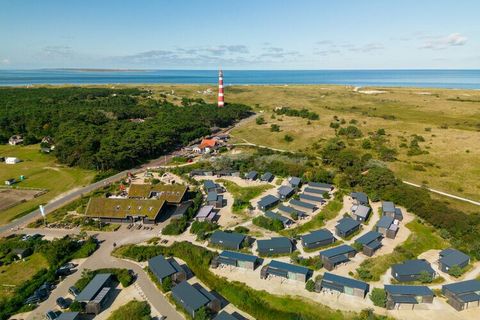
{"x": 42, "y": 172}
{"x": 423, "y": 238}
{"x": 15, "y": 274}
{"x": 243, "y": 194}
{"x": 449, "y": 121}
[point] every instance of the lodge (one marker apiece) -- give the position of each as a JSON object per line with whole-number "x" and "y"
{"x": 267, "y": 202}
{"x": 314, "y": 192}
{"x": 163, "y": 268}
{"x": 387, "y": 227}
{"x": 450, "y": 258}
{"x": 317, "y": 239}
{"x": 285, "y": 270}
{"x": 194, "y": 297}
{"x": 227, "y": 240}
{"x": 301, "y": 205}
{"x": 346, "y": 227}
{"x": 321, "y": 186}
{"x": 275, "y": 216}
{"x": 359, "y": 198}
{"x": 285, "y": 192}
{"x": 236, "y": 259}
{"x": 462, "y": 295}
{"x": 411, "y": 270}
{"x": 211, "y": 186}
{"x": 295, "y": 182}
{"x": 93, "y": 288}
{"x": 370, "y": 242}
{"x": 214, "y": 199}
{"x": 361, "y": 212}
{"x": 206, "y": 213}
{"x": 291, "y": 211}
{"x": 413, "y": 295}
{"x": 341, "y": 284}
{"x": 267, "y": 177}
{"x": 311, "y": 199}
{"x": 252, "y": 175}
{"x": 389, "y": 209}
{"x": 331, "y": 258}
{"x": 274, "y": 246}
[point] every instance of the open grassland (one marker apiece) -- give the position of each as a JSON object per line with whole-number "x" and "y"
{"x": 448, "y": 120}
{"x": 243, "y": 195}
{"x": 41, "y": 171}
{"x": 17, "y": 273}
{"x": 423, "y": 238}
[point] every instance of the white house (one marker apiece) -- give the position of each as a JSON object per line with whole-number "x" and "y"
{"x": 12, "y": 160}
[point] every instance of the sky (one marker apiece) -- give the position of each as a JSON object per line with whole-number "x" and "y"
{"x": 247, "y": 34}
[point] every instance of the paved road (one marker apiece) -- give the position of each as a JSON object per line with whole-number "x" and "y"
{"x": 102, "y": 259}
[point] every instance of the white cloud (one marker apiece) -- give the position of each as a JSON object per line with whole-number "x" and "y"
{"x": 438, "y": 43}
{"x": 5, "y": 61}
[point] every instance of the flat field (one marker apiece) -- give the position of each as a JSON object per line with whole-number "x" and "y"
{"x": 41, "y": 172}
{"x": 448, "y": 120}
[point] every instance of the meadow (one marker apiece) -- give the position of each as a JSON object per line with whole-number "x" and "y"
{"x": 41, "y": 171}
{"x": 447, "y": 120}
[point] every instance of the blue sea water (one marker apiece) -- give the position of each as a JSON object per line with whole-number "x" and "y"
{"x": 464, "y": 79}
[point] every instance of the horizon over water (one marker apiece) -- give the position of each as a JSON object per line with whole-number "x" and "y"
{"x": 419, "y": 78}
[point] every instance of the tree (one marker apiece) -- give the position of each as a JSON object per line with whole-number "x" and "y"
{"x": 379, "y": 297}
{"x": 310, "y": 285}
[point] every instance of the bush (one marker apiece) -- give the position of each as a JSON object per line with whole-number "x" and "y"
{"x": 267, "y": 223}
{"x": 366, "y": 144}
{"x": 175, "y": 227}
{"x": 351, "y": 132}
{"x": 425, "y": 277}
{"x": 241, "y": 229}
{"x": 76, "y": 306}
{"x": 334, "y": 125}
{"x": 288, "y": 138}
{"x": 302, "y": 113}
{"x": 260, "y": 120}
{"x": 310, "y": 285}
{"x": 138, "y": 310}
{"x": 379, "y": 297}
{"x": 167, "y": 284}
{"x": 455, "y": 271}
{"x": 275, "y": 128}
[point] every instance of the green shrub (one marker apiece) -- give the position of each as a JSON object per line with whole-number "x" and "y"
{"x": 288, "y": 138}
{"x": 138, "y": 310}
{"x": 260, "y": 120}
{"x": 310, "y": 285}
{"x": 267, "y": 223}
{"x": 378, "y": 297}
{"x": 275, "y": 128}
{"x": 175, "y": 227}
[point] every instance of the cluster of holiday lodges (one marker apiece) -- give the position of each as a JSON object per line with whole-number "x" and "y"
{"x": 145, "y": 203}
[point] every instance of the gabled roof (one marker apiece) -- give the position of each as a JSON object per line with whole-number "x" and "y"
{"x": 368, "y": 237}
{"x": 360, "y": 197}
{"x": 408, "y": 290}
{"x": 189, "y": 295}
{"x": 285, "y": 190}
{"x": 295, "y": 202}
{"x": 412, "y": 267}
{"x": 388, "y": 206}
{"x": 463, "y": 286}
{"x": 209, "y": 184}
{"x": 451, "y": 257}
{"x": 207, "y": 143}
{"x": 93, "y": 287}
{"x": 277, "y": 242}
{"x": 385, "y": 222}
{"x": 268, "y": 200}
{"x": 227, "y": 237}
{"x": 238, "y": 256}
{"x": 304, "y": 196}
{"x": 362, "y": 211}
{"x": 204, "y": 212}
{"x": 335, "y": 251}
{"x": 346, "y": 224}
{"x": 317, "y": 236}
{"x": 320, "y": 185}
{"x": 347, "y": 282}
{"x": 276, "y": 216}
{"x": 313, "y": 190}
{"x": 162, "y": 267}
{"x": 288, "y": 267}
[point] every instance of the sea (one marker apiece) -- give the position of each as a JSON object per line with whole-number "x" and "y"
{"x": 455, "y": 79}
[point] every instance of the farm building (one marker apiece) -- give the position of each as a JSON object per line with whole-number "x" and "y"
{"x": 285, "y": 192}
{"x": 317, "y": 239}
{"x": 389, "y": 209}
{"x": 252, "y": 175}
{"x": 341, "y": 284}
{"x": 387, "y": 227}
{"x": 337, "y": 255}
{"x": 214, "y": 199}
{"x": 301, "y": 205}
{"x": 285, "y": 270}
{"x": 411, "y": 270}
{"x": 93, "y": 288}
{"x": 346, "y": 227}
{"x": 359, "y": 198}
{"x": 291, "y": 211}
{"x": 206, "y": 213}
{"x": 275, "y": 216}
{"x": 12, "y": 160}
{"x": 371, "y": 242}
{"x": 413, "y": 295}
{"x": 317, "y": 201}
{"x": 267, "y": 202}
{"x": 452, "y": 257}
{"x": 171, "y": 193}
{"x": 273, "y": 246}
{"x": 314, "y": 192}
{"x": 267, "y": 177}
{"x": 166, "y": 268}
{"x": 361, "y": 212}
{"x": 192, "y": 298}
{"x": 321, "y": 186}
{"x": 125, "y": 210}
{"x": 227, "y": 240}
{"x": 295, "y": 182}
{"x": 462, "y": 295}
{"x": 236, "y": 259}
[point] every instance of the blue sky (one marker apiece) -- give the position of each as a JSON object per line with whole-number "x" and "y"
{"x": 247, "y": 34}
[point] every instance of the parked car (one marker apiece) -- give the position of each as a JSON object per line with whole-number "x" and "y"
{"x": 62, "y": 303}
{"x": 51, "y": 315}
{"x": 33, "y": 299}
{"x": 73, "y": 291}
{"x": 70, "y": 265}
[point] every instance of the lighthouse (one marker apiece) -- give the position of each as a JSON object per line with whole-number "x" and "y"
{"x": 220, "y": 89}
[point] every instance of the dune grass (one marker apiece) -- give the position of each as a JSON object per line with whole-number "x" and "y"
{"x": 243, "y": 195}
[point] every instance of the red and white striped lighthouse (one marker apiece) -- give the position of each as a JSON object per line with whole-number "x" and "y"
{"x": 220, "y": 89}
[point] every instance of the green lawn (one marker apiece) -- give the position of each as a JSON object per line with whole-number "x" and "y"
{"x": 243, "y": 195}
{"x": 422, "y": 238}
{"x": 42, "y": 172}
{"x": 15, "y": 274}
{"x": 138, "y": 310}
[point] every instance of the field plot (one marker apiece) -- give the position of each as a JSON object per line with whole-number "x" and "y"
{"x": 41, "y": 172}
{"x": 11, "y": 197}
